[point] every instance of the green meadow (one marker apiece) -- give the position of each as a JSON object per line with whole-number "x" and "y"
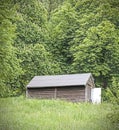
{"x": 19, "y": 113}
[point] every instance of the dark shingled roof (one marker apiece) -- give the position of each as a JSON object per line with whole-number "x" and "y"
{"x": 59, "y": 80}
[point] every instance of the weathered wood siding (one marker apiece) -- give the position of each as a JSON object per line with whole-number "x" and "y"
{"x": 41, "y": 93}
{"x": 74, "y": 94}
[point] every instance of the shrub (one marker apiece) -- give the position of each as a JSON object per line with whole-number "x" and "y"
{"x": 112, "y": 95}
{"x": 112, "y": 92}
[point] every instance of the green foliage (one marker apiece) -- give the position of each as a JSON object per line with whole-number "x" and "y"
{"x": 29, "y": 114}
{"x": 28, "y": 33}
{"x": 31, "y": 30}
{"x": 112, "y": 95}
{"x": 98, "y": 53}
{"x": 51, "y": 5}
{"x": 114, "y": 115}
{"x": 4, "y": 90}
{"x": 31, "y": 22}
{"x": 112, "y": 92}
{"x": 35, "y": 60}
{"x": 32, "y": 11}
{"x": 9, "y": 64}
{"x": 43, "y": 37}
{"x": 38, "y": 59}
{"x": 98, "y": 29}
{"x": 62, "y": 25}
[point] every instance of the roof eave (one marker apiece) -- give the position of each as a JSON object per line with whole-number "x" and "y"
{"x": 56, "y": 86}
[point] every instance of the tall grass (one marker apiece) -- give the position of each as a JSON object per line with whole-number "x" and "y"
{"x": 31, "y": 114}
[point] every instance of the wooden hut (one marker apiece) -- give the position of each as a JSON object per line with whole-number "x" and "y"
{"x": 72, "y": 87}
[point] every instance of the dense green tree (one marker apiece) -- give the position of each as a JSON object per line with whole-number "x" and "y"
{"x": 28, "y": 33}
{"x": 96, "y": 18}
{"x": 30, "y": 41}
{"x": 32, "y": 10}
{"x": 9, "y": 64}
{"x": 51, "y": 5}
{"x": 31, "y": 22}
{"x": 62, "y": 26}
{"x": 99, "y": 52}
{"x": 91, "y": 13}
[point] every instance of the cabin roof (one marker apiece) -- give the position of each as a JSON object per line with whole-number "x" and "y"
{"x": 59, "y": 80}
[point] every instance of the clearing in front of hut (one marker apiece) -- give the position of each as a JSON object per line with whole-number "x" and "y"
{"x": 19, "y": 113}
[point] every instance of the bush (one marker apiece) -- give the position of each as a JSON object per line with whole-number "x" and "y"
{"x": 112, "y": 92}
{"x": 112, "y": 95}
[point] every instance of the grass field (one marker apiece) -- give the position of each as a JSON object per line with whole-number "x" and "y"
{"x": 30, "y": 114}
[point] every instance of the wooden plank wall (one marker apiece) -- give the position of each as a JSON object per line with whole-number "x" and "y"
{"x": 74, "y": 94}
{"x": 43, "y": 93}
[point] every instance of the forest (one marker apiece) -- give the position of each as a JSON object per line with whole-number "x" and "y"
{"x": 50, "y": 37}
{"x": 54, "y": 37}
